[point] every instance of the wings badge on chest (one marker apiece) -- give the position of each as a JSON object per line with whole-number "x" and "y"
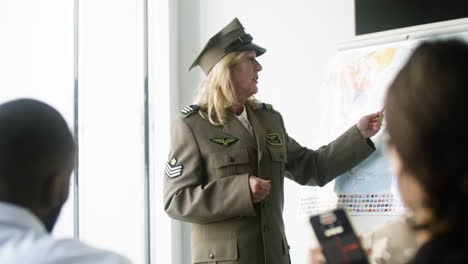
{"x": 225, "y": 142}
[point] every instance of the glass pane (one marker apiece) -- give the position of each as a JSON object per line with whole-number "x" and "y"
{"x": 36, "y": 61}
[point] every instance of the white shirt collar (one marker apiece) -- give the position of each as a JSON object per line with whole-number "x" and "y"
{"x": 243, "y": 115}
{"x": 243, "y": 118}
{"x": 20, "y": 216}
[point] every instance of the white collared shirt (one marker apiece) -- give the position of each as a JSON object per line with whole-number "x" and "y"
{"x": 24, "y": 240}
{"x": 243, "y": 118}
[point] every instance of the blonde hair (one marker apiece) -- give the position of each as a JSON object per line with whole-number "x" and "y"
{"x": 217, "y": 93}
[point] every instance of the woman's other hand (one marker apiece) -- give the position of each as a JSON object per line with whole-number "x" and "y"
{"x": 259, "y": 188}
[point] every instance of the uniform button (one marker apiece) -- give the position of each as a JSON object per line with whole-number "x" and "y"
{"x": 231, "y": 159}
{"x": 211, "y": 256}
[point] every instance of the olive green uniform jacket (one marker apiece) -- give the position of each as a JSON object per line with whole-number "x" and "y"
{"x": 207, "y": 182}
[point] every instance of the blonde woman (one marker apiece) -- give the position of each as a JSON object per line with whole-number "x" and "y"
{"x": 230, "y": 153}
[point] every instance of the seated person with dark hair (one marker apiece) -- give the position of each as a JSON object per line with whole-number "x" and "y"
{"x": 37, "y": 154}
{"x": 426, "y": 99}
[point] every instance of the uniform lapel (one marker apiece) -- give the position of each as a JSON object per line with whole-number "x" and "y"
{"x": 236, "y": 129}
{"x": 258, "y": 130}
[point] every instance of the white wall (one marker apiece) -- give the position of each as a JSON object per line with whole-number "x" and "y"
{"x": 300, "y": 36}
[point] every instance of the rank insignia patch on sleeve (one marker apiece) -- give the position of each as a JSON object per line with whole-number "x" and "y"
{"x": 172, "y": 170}
{"x": 273, "y": 139}
{"x": 224, "y": 141}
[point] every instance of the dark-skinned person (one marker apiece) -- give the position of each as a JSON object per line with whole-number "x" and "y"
{"x": 230, "y": 153}
{"x": 37, "y": 156}
{"x": 426, "y": 99}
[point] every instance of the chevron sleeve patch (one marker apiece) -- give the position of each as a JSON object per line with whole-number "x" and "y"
{"x": 172, "y": 170}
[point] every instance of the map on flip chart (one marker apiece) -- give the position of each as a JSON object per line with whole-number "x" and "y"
{"x": 359, "y": 79}
{"x": 360, "y": 83}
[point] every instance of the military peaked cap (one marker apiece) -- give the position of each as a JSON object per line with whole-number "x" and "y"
{"x": 231, "y": 38}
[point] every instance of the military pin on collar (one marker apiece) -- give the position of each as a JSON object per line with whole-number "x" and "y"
{"x": 225, "y": 142}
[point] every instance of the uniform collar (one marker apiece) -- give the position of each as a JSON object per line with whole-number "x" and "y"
{"x": 235, "y": 128}
{"x": 20, "y": 216}
{"x": 258, "y": 128}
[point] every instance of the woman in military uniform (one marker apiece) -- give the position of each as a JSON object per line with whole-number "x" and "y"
{"x": 230, "y": 153}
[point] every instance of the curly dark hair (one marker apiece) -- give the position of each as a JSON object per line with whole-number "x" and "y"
{"x": 425, "y": 111}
